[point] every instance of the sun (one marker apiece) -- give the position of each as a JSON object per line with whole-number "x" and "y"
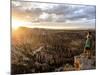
{"x": 17, "y": 23}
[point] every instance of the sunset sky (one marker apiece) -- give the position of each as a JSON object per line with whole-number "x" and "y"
{"x": 52, "y": 15}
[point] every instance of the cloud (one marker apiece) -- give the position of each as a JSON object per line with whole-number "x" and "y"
{"x": 87, "y": 12}
{"x": 25, "y": 11}
{"x": 46, "y": 12}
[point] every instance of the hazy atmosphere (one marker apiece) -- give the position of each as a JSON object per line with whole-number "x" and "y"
{"x": 52, "y": 37}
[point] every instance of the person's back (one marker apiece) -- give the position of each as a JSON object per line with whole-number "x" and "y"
{"x": 88, "y": 44}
